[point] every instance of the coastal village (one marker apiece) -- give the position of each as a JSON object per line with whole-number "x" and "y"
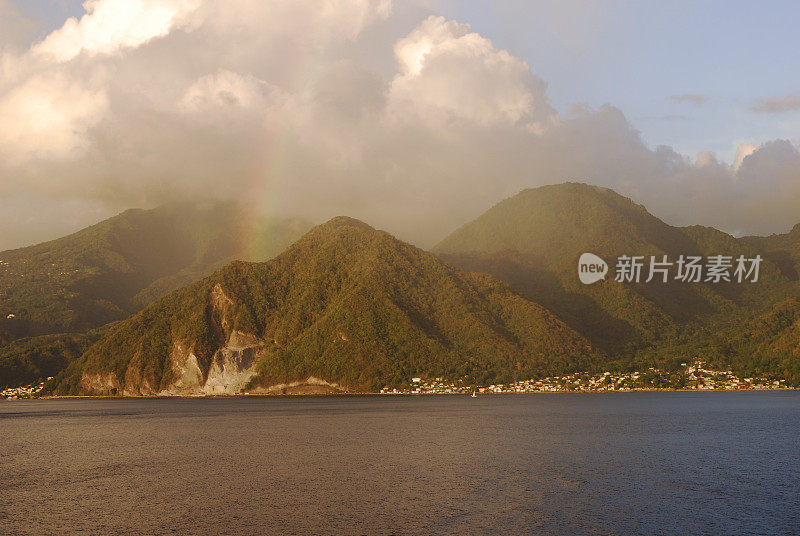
{"x": 26, "y": 391}
{"x": 693, "y": 376}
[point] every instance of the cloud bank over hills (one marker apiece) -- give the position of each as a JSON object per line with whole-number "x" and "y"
{"x": 379, "y": 111}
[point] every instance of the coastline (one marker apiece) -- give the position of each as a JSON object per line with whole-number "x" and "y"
{"x": 367, "y": 393}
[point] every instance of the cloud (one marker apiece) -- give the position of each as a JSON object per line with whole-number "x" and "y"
{"x": 307, "y": 108}
{"x": 448, "y": 72}
{"x": 109, "y": 26}
{"x": 48, "y": 116}
{"x": 697, "y": 99}
{"x": 743, "y": 151}
{"x": 768, "y": 185}
{"x": 778, "y": 104}
{"x": 27, "y": 219}
{"x": 227, "y": 89}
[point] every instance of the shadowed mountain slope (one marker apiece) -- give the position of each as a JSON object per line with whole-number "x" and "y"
{"x": 534, "y": 239}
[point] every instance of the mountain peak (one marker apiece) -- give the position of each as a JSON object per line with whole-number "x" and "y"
{"x": 572, "y": 187}
{"x": 558, "y": 222}
{"x": 338, "y": 231}
{"x": 345, "y": 221}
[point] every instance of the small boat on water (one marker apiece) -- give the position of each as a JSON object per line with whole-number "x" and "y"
{"x": 474, "y": 394}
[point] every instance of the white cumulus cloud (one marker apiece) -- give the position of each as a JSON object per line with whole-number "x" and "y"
{"x": 110, "y": 25}
{"x": 450, "y": 72}
{"x": 48, "y": 116}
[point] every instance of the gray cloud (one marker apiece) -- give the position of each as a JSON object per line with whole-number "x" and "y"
{"x": 780, "y": 103}
{"x": 281, "y": 110}
{"x": 697, "y": 99}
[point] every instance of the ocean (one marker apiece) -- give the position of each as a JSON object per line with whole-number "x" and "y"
{"x": 672, "y": 463}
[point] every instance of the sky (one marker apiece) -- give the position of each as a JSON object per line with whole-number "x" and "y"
{"x": 415, "y": 116}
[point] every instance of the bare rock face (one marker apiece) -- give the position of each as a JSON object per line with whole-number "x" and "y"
{"x": 310, "y": 386}
{"x": 100, "y": 383}
{"x": 186, "y": 371}
{"x": 231, "y": 369}
{"x": 239, "y": 341}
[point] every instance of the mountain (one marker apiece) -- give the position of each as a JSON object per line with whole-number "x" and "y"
{"x": 346, "y": 307}
{"x": 533, "y": 241}
{"x": 110, "y": 270}
{"x": 772, "y": 339}
{"x": 25, "y": 361}
{"x": 782, "y": 249}
{"x": 770, "y": 342}
{"x": 351, "y": 306}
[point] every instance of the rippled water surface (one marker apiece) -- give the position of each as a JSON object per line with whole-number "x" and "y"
{"x": 635, "y": 463}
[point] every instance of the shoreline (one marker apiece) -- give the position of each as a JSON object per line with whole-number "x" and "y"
{"x": 363, "y": 394}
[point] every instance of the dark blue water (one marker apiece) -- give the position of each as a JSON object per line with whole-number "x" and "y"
{"x": 634, "y": 463}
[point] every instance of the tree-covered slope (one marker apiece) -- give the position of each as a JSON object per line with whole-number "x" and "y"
{"x": 346, "y": 304}
{"x": 534, "y": 239}
{"x": 108, "y": 271}
{"x": 554, "y": 222}
{"x": 782, "y": 249}
{"x": 26, "y": 361}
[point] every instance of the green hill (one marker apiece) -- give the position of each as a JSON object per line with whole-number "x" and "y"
{"x": 782, "y": 249}
{"x": 534, "y": 239}
{"x": 770, "y": 343}
{"x": 110, "y": 270}
{"x": 554, "y": 223}
{"x": 346, "y": 306}
{"x": 28, "y": 360}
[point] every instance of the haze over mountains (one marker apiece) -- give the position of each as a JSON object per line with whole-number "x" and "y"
{"x": 351, "y": 306}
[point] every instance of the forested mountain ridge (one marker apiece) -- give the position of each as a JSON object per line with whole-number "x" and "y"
{"x": 347, "y": 305}
{"x": 352, "y": 306}
{"x": 533, "y": 242}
